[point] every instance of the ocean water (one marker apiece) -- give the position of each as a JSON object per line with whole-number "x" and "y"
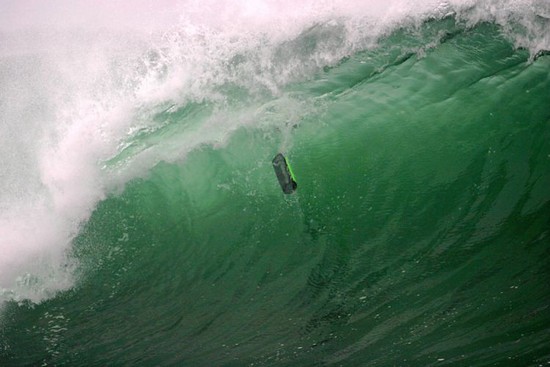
{"x": 141, "y": 222}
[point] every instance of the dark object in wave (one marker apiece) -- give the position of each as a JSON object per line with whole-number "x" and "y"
{"x": 284, "y": 174}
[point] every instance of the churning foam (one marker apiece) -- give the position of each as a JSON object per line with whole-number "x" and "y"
{"x": 80, "y": 78}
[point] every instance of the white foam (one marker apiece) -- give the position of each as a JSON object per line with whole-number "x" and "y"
{"x": 94, "y": 73}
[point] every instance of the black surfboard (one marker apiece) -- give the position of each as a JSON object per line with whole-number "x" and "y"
{"x": 284, "y": 174}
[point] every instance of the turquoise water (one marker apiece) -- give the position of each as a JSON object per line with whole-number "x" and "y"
{"x": 418, "y": 236}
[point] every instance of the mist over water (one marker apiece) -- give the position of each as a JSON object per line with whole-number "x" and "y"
{"x": 140, "y": 218}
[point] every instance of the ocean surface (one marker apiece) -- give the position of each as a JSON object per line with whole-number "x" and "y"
{"x": 142, "y": 224}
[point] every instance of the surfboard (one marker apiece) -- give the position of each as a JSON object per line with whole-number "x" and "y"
{"x": 284, "y": 174}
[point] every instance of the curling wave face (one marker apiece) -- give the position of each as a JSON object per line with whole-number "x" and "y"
{"x": 136, "y": 180}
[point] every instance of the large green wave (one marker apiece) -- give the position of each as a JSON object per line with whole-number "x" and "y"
{"x": 418, "y": 234}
